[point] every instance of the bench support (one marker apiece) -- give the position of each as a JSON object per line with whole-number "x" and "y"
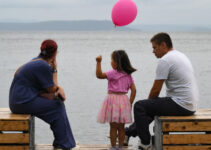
{"x": 183, "y": 132}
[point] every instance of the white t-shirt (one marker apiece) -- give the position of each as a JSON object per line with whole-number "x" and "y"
{"x": 176, "y": 69}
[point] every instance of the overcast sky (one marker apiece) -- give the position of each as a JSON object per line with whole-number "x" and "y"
{"x": 180, "y": 12}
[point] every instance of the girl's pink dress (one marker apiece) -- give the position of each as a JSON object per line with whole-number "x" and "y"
{"x": 116, "y": 107}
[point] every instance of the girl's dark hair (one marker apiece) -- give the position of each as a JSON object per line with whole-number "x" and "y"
{"x": 48, "y": 49}
{"x": 122, "y": 61}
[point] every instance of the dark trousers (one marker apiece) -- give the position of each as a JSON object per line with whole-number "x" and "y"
{"x": 146, "y": 110}
{"x": 52, "y": 112}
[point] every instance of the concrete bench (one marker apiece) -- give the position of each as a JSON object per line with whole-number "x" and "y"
{"x": 16, "y": 131}
{"x": 184, "y": 132}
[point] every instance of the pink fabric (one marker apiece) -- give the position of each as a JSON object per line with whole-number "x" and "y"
{"x": 115, "y": 108}
{"x": 118, "y": 81}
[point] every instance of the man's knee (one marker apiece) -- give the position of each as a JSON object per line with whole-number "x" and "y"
{"x": 139, "y": 106}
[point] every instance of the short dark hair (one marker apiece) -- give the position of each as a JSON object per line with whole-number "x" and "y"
{"x": 122, "y": 61}
{"x": 162, "y": 37}
{"x": 48, "y": 48}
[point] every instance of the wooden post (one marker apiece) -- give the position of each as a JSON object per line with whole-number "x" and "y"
{"x": 31, "y": 133}
{"x": 158, "y": 134}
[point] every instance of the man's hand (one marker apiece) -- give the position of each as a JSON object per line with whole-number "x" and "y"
{"x": 155, "y": 91}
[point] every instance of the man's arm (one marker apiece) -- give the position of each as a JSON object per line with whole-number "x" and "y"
{"x": 156, "y": 88}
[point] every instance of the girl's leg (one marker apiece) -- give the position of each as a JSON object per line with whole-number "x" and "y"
{"x": 113, "y": 133}
{"x": 121, "y": 133}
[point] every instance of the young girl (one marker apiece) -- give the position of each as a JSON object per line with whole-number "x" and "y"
{"x": 116, "y": 108}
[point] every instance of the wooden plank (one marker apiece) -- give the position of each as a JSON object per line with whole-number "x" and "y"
{"x": 4, "y": 109}
{"x": 7, "y": 116}
{"x": 186, "y": 118}
{"x": 187, "y": 147}
{"x": 16, "y": 138}
{"x": 204, "y": 111}
{"x": 14, "y": 147}
{"x": 201, "y": 114}
{"x": 187, "y": 139}
{"x": 80, "y": 147}
{"x": 47, "y": 147}
{"x": 14, "y": 126}
{"x": 94, "y": 146}
{"x": 186, "y": 126}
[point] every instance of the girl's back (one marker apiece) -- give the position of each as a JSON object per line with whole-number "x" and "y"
{"x": 118, "y": 81}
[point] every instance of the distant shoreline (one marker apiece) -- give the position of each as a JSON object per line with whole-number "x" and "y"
{"x": 96, "y": 25}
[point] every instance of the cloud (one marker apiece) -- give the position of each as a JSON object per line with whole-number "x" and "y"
{"x": 149, "y": 11}
{"x": 36, "y": 3}
{"x": 53, "y": 3}
{"x": 174, "y": 12}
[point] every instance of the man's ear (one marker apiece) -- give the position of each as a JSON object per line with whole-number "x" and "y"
{"x": 163, "y": 45}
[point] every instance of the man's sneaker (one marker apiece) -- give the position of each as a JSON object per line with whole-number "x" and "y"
{"x": 126, "y": 140}
{"x": 144, "y": 147}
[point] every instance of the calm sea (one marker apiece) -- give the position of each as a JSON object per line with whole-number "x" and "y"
{"x": 76, "y": 71}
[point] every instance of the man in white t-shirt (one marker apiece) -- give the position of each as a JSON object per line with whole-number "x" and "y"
{"x": 175, "y": 69}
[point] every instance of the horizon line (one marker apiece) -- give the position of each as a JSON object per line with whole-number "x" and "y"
{"x": 21, "y": 21}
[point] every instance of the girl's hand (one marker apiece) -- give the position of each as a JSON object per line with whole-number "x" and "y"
{"x": 99, "y": 58}
{"x": 61, "y": 93}
{"x": 131, "y": 102}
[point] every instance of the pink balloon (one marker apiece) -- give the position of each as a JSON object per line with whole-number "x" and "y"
{"x": 124, "y": 12}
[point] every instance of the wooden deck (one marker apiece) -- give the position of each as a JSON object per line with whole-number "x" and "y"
{"x": 80, "y": 147}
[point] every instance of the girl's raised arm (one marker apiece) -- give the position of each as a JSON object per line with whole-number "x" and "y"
{"x": 99, "y": 73}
